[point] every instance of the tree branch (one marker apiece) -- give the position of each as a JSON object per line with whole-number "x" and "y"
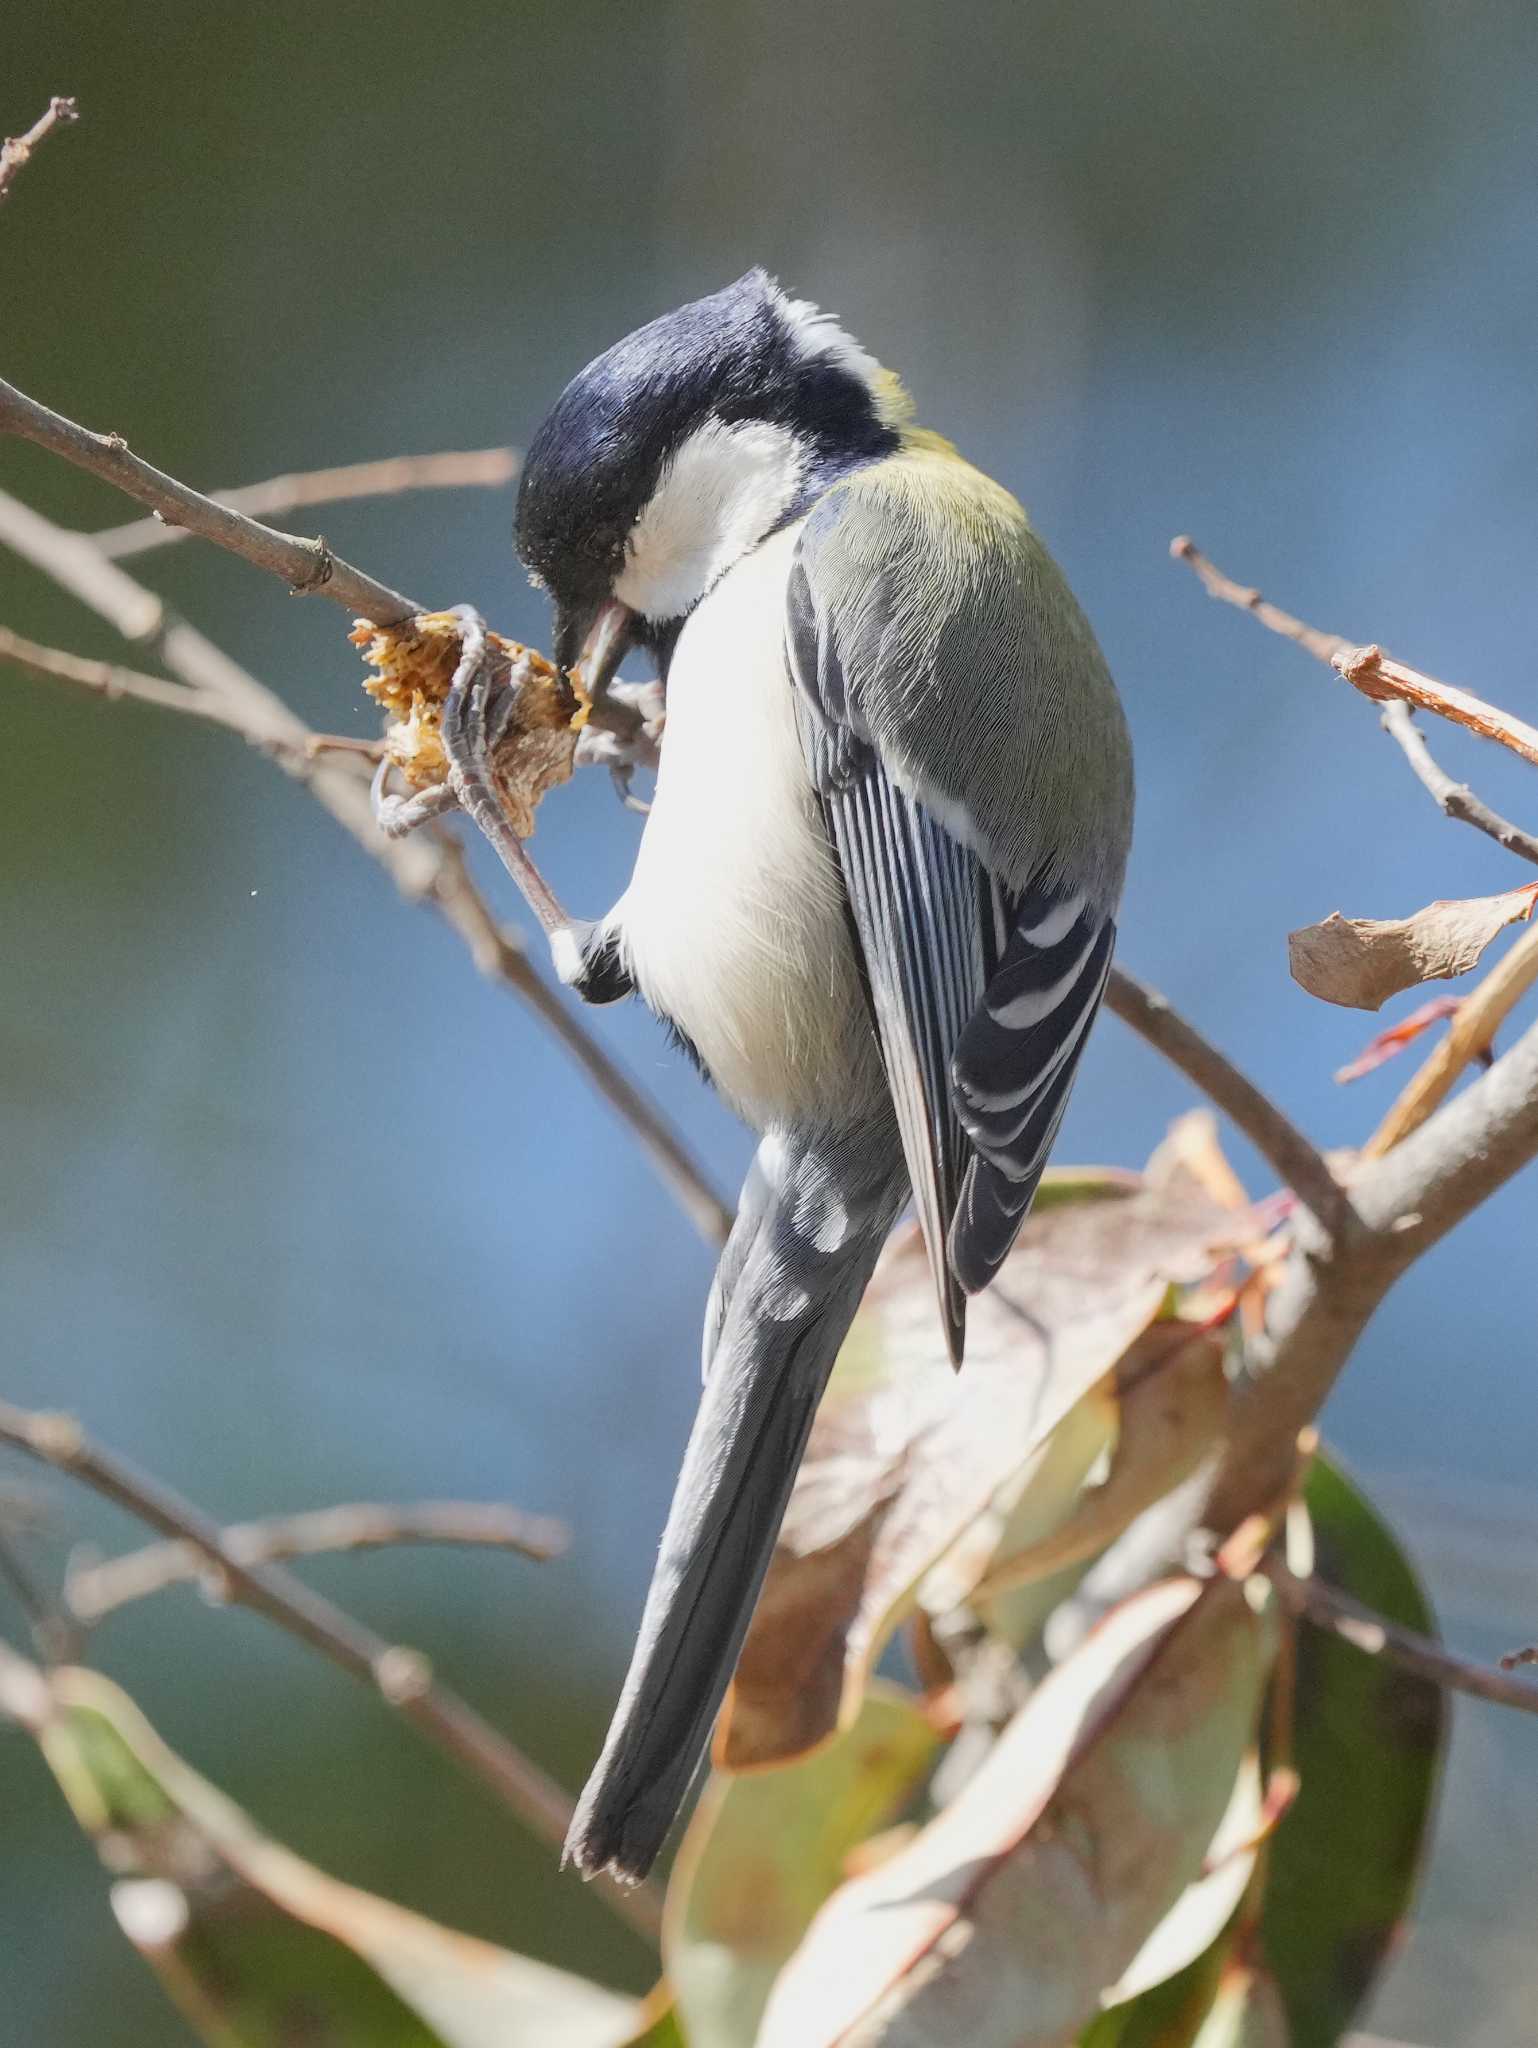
{"x": 403, "y": 1678}
{"x": 18, "y": 148}
{"x": 1368, "y": 669}
{"x": 479, "y": 468}
{"x": 95, "y": 1591}
{"x": 1337, "y": 1613}
{"x": 1453, "y": 799}
{"x": 1405, "y": 1203}
{"x": 1300, "y": 1166}
{"x": 306, "y": 566}
{"x": 425, "y": 869}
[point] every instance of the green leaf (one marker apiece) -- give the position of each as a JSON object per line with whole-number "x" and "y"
{"x": 260, "y": 1949}
{"x": 764, "y": 1850}
{"x": 1006, "y": 1918}
{"x": 1367, "y": 1748}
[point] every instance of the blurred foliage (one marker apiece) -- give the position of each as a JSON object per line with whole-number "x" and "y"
{"x": 1110, "y": 1841}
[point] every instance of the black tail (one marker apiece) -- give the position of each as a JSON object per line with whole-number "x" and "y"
{"x": 793, "y": 1276}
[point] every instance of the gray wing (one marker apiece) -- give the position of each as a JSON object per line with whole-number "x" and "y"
{"x": 982, "y": 989}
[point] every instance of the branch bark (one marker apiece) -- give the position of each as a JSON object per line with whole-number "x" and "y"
{"x": 94, "y": 1591}
{"x": 1368, "y": 669}
{"x": 18, "y": 149}
{"x": 1300, "y": 1166}
{"x": 1405, "y": 1203}
{"x": 308, "y": 567}
{"x": 403, "y": 1678}
{"x": 1454, "y": 799}
{"x": 478, "y": 468}
{"x": 1337, "y": 1612}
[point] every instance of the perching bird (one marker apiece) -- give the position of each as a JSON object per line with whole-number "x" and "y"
{"x": 874, "y": 896}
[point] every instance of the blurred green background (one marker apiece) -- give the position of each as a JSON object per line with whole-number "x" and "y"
{"x": 294, "y": 1208}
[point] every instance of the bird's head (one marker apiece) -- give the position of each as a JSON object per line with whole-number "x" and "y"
{"x": 679, "y": 449}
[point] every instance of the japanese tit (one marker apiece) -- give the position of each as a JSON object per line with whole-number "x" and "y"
{"x": 874, "y": 897}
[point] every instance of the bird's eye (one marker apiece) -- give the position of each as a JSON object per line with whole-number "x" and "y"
{"x": 605, "y": 541}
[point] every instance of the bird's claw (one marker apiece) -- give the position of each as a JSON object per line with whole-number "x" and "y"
{"x": 398, "y": 815}
{"x": 629, "y": 741}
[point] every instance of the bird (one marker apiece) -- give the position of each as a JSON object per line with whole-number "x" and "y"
{"x": 874, "y": 898}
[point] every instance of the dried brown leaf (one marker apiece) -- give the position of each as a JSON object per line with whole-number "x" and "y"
{"x": 1359, "y": 962}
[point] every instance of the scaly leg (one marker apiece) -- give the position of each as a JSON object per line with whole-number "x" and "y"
{"x": 475, "y": 717}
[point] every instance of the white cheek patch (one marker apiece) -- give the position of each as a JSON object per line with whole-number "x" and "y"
{"x": 721, "y": 492}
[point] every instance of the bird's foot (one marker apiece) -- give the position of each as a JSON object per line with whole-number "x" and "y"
{"x": 629, "y": 737}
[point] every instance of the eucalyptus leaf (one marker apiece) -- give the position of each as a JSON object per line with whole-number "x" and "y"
{"x": 765, "y": 1849}
{"x": 1005, "y": 1920}
{"x": 1367, "y": 1740}
{"x": 259, "y": 1948}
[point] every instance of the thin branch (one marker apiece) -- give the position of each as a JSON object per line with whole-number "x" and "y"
{"x": 425, "y": 869}
{"x": 1470, "y": 1036}
{"x": 478, "y": 468}
{"x": 107, "y": 679}
{"x": 1300, "y": 1166}
{"x": 1337, "y": 1613}
{"x": 18, "y": 148}
{"x": 306, "y": 566}
{"x": 1454, "y": 799}
{"x": 95, "y": 1591}
{"x": 1368, "y": 669}
{"x": 403, "y": 1678}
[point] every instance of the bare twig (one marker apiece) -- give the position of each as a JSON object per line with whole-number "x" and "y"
{"x": 1327, "y": 1608}
{"x": 1301, "y": 1167}
{"x": 18, "y": 148}
{"x": 1368, "y": 669}
{"x": 478, "y": 468}
{"x": 107, "y": 679}
{"x": 424, "y": 869}
{"x": 1469, "y": 1037}
{"x": 403, "y": 1678}
{"x": 1453, "y": 799}
{"x": 95, "y": 1591}
{"x": 306, "y": 566}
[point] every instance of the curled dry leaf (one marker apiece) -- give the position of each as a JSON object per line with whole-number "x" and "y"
{"x": 1360, "y": 962}
{"x": 252, "y": 1942}
{"x": 763, "y": 1851}
{"x": 411, "y": 679}
{"x": 1015, "y": 1910}
{"x": 905, "y": 1455}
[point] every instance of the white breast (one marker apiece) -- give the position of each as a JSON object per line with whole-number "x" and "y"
{"x": 733, "y": 925}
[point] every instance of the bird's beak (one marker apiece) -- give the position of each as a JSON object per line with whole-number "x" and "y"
{"x": 608, "y": 640}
